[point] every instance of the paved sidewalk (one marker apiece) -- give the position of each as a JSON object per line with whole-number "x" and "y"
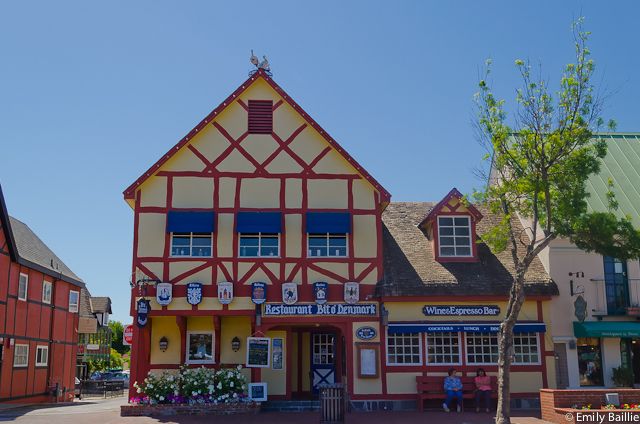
{"x": 107, "y": 411}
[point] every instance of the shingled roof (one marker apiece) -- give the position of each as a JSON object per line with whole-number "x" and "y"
{"x": 411, "y": 268}
{"x": 100, "y": 304}
{"x": 32, "y": 252}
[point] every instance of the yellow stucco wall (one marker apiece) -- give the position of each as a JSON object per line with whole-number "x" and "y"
{"x": 165, "y": 327}
{"x": 193, "y": 191}
{"x": 401, "y": 382}
{"x": 276, "y": 379}
{"x": 366, "y": 385}
{"x": 231, "y": 327}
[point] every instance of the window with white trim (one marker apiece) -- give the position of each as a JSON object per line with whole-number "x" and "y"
{"x": 454, "y": 236}
{"x": 47, "y": 288}
{"x": 327, "y": 245}
{"x": 443, "y": 348}
{"x": 200, "y": 347}
{"x": 257, "y": 245}
{"x": 525, "y": 348}
{"x": 42, "y": 356}
{"x": 21, "y": 355}
{"x": 23, "y": 284}
{"x": 74, "y": 298}
{"x": 404, "y": 349}
{"x": 482, "y": 348}
{"x": 191, "y": 244}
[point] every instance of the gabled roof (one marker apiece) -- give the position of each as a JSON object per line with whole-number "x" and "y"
{"x": 100, "y": 305}
{"x": 32, "y": 252}
{"x": 130, "y": 191}
{"x": 410, "y": 267}
{"x": 622, "y": 166}
{"x": 454, "y": 193}
{"x": 6, "y": 228}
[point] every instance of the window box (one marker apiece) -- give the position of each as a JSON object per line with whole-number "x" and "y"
{"x": 633, "y": 311}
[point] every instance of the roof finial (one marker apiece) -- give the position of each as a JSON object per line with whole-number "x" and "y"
{"x": 264, "y": 65}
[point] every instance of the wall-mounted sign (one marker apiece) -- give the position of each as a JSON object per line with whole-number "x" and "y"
{"x": 368, "y": 354}
{"x": 321, "y": 292}
{"x": 366, "y": 333}
{"x": 278, "y": 309}
{"x": 127, "y": 335}
{"x": 164, "y": 292}
{"x": 289, "y": 293}
{"x": 580, "y": 308}
{"x": 258, "y": 352}
{"x": 258, "y": 293}
{"x": 351, "y": 292}
{"x": 194, "y": 293}
{"x": 277, "y": 354}
{"x": 460, "y": 310}
{"x": 143, "y": 307}
{"x": 225, "y": 292}
{"x": 93, "y": 346}
{"x": 87, "y": 325}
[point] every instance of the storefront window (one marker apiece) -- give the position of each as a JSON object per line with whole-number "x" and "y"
{"x": 404, "y": 349}
{"x": 590, "y": 362}
{"x": 525, "y": 348}
{"x": 443, "y": 348}
{"x": 482, "y": 348}
{"x": 199, "y": 348}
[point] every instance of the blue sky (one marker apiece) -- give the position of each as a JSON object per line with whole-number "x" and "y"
{"x": 93, "y": 93}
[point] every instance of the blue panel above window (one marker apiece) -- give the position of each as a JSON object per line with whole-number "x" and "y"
{"x": 190, "y": 222}
{"x": 259, "y": 222}
{"x": 328, "y": 222}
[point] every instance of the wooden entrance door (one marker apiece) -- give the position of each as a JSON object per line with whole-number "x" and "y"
{"x": 323, "y": 360}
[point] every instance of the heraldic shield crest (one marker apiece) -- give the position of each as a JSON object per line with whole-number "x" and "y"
{"x": 194, "y": 293}
{"x": 225, "y": 292}
{"x": 321, "y": 291}
{"x": 351, "y": 292}
{"x": 289, "y": 293}
{"x": 164, "y": 293}
{"x": 143, "y": 308}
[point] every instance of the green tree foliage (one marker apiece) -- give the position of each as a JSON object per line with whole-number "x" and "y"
{"x": 539, "y": 168}
{"x": 116, "y": 337}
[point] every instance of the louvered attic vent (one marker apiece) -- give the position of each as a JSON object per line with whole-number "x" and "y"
{"x": 260, "y": 116}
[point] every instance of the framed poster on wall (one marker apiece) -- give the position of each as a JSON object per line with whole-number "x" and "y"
{"x": 258, "y": 352}
{"x": 277, "y": 353}
{"x": 258, "y": 392}
{"x": 368, "y": 358}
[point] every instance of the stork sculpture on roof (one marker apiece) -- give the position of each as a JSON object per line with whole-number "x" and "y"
{"x": 264, "y": 64}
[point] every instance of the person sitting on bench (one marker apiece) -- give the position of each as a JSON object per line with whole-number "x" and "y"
{"x": 453, "y": 389}
{"x": 483, "y": 389}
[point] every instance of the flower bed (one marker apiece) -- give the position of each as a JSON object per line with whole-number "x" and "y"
{"x": 589, "y": 405}
{"x": 191, "y": 391}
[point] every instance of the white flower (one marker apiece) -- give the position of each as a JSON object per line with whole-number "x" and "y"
{"x": 235, "y": 395}
{"x": 176, "y": 393}
{"x": 193, "y": 393}
{"x": 239, "y": 367}
{"x": 139, "y": 390}
{"x": 231, "y": 384}
{"x": 161, "y": 398}
{"x": 220, "y": 385}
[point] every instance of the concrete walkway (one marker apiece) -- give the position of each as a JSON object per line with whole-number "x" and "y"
{"x": 107, "y": 411}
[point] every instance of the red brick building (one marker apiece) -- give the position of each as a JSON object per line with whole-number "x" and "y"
{"x": 39, "y": 299}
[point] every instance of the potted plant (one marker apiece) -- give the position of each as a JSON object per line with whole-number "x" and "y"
{"x": 633, "y": 310}
{"x": 622, "y": 376}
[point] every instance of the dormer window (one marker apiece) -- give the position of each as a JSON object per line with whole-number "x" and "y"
{"x": 454, "y": 236}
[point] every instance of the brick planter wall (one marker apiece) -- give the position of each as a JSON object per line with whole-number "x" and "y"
{"x": 198, "y": 409}
{"x": 555, "y": 405}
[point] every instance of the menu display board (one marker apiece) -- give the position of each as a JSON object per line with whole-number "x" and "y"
{"x": 258, "y": 352}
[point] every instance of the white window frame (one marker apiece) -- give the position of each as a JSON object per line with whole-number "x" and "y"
{"x": 455, "y": 246}
{"x": 328, "y": 237}
{"x": 26, "y": 286}
{"x": 40, "y": 348}
{"x": 433, "y": 364}
{"x": 213, "y": 348}
{"x": 529, "y": 334}
{"x": 406, "y": 364}
{"x": 191, "y": 237}
{"x": 75, "y": 309}
{"x": 466, "y": 348}
{"x": 15, "y": 355}
{"x": 260, "y": 235}
{"x": 45, "y": 284}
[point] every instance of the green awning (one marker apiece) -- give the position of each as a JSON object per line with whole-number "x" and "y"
{"x": 607, "y": 329}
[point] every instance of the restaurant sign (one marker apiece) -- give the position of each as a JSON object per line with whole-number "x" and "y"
{"x": 312, "y": 309}
{"x": 460, "y": 310}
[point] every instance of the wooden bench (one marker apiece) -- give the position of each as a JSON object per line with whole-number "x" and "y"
{"x": 432, "y": 387}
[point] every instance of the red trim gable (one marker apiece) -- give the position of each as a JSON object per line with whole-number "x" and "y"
{"x": 129, "y": 193}
{"x": 454, "y": 193}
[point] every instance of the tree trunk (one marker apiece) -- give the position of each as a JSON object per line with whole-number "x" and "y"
{"x": 505, "y": 348}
